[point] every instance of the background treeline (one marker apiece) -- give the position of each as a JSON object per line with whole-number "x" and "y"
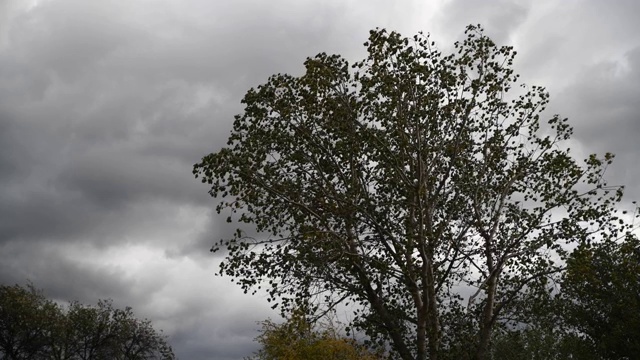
{"x": 34, "y": 327}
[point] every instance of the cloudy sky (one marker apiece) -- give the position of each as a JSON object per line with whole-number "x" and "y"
{"x": 106, "y": 104}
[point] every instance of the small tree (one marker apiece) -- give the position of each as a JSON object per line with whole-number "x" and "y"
{"x": 401, "y": 181}
{"x": 298, "y": 339}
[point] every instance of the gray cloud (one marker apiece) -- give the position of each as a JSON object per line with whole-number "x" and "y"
{"x": 607, "y": 113}
{"x": 500, "y": 18}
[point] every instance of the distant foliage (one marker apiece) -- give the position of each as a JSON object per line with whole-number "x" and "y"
{"x": 34, "y": 327}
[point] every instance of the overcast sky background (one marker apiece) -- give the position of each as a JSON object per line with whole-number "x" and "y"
{"x": 105, "y": 105}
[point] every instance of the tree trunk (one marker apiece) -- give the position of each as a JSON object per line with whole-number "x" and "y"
{"x": 487, "y": 319}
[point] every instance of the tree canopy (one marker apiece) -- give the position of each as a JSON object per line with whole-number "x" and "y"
{"x": 601, "y": 297}
{"x": 420, "y": 187}
{"x": 594, "y": 315}
{"x": 34, "y": 327}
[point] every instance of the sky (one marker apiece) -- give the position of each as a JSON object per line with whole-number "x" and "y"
{"x": 105, "y": 105}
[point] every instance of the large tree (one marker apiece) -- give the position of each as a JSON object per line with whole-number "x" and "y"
{"x": 399, "y": 183}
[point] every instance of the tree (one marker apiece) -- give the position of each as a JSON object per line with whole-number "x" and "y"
{"x": 298, "y": 339}
{"x": 136, "y": 339}
{"x": 601, "y": 293}
{"x": 34, "y": 327}
{"x": 105, "y": 332}
{"x": 88, "y": 332}
{"x": 541, "y": 339}
{"x": 593, "y": 314}
{"x": 27, "y": 320}
{"x": 398, "y": 183}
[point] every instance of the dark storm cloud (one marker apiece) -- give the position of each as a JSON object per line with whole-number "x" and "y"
{"x": 607, "y": 116}
{"x": 56, "y": 265}
{"x": 84, "y": 138}
{"x": 221, "y": 338}
{"x": 10, "y": 134}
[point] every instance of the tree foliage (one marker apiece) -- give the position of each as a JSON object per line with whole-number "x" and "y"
{"x": 34, "y": 327}
{"x": 592, "y": 315}
{"x": 601, "y": 297}
{"x": 298, "y": 339}
{"x": 27, "y": 319}
{"x": 402, "y": 181}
